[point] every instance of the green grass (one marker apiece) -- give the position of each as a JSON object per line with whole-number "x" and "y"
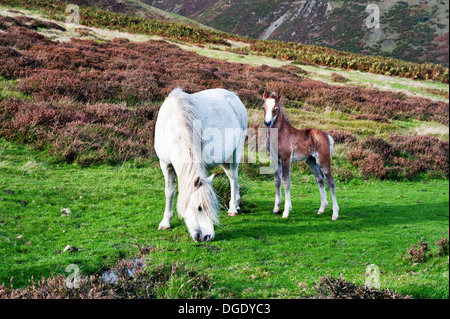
{"x": 114, "y": 210}
{"x": 8, "y": 89}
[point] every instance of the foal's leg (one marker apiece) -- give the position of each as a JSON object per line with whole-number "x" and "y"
{"x": 169, "y": 176}
{"x": 277, "y": 182}
{"x": 331, "y": 186}
{"x": 286, "y": 167}
{"x": 320, "y": 182}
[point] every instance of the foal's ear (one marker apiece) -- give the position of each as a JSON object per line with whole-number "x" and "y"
{"x": 197, "y": 182}
{"x": 266, "y": 95}
{"x": 278, "y": 97}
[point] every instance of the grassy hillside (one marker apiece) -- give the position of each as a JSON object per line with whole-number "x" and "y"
{"x": 98, "y": 81}
{"x": 409, "y": 30}
{"x": 280, "y": 50}
{"x": 78, "y": 106}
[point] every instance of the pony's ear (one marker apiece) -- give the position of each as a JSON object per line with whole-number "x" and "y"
{"x": 210, "y": 179}
{"x": 278, "y": 97}
{"x": 197, "y": 182}
{"x": 266, "y": 95}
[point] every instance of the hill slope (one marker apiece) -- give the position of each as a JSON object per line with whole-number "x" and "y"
{"x": 296, "y": 52}
{"x": 94, "y": 101}
{"x": 414, "y": 31}
{"x": 139, "y": 9}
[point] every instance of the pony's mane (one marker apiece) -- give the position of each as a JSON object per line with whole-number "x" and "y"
{"x": 192, "y": 165}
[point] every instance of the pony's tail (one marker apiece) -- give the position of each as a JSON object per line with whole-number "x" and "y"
{"x": 331, "y": 144}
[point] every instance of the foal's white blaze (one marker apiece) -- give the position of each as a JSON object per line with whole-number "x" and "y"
{"x": 270, "y": 104}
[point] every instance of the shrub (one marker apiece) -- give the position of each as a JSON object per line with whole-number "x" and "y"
{"x": 339, "y": 288}
{"x": 443, "y": 247}
{"x": 356, "y": 155}
{"x": 427, "y": 153}
{"x": 418, "y": 253}
{"x": 343, "y": 137}
{"x": 85, "y": 133}
{"x": 128, "y": 279}
{"x": 380, "y": 147}
{"x": 23, "y": 38}
{"x": 30, "y": 23}
{"x": 373, "y": 167}
{"x": 14, "y": 64}
{"x": 294, "y": 69}
{"x": 335, "y": 77}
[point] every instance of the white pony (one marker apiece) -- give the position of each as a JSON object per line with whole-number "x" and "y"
{"x": 194, "y": 133}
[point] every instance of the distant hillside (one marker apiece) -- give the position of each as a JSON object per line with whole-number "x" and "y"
{"x": 287, "y": 51}
{"x": 416, "y": 30}
{"x": 139, "y": 9}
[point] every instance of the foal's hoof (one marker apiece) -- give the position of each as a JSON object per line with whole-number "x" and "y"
{"x": 334, "y": 218}
{"x": 232, "y": 214}
{"x": 163, "y": 228}
{"x": 277, "y": 213}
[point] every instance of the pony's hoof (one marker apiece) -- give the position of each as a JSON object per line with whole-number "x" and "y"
{"x": 276, "y": 213}
{"x": 285, "y": 216}
{"x": 320, "y": 213}
{"x": 163, "y": 228}
{"x": 334, "y": 218}
{"x": 232, "y": 214}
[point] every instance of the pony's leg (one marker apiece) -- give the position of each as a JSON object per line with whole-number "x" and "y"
{"x": 331, "y": 186}
{"x": 286, "y": 167}
{"x": 277, "y": 182}
{"x": 231, "y": 170}
{"x": 169, "y": 176}
{"x": 237, "y": 194}
{"x": 320, "y": 182}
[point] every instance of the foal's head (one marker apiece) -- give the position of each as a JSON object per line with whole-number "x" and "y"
{"x": 271, "y": 108}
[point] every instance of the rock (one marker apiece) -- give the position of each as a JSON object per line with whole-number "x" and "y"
{"x": 66, "y": 211}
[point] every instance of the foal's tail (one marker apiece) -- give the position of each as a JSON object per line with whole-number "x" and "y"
{"x": 331, "y": 144}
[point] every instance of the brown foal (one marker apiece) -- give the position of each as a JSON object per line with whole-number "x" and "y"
{"x": 311, "y": 145}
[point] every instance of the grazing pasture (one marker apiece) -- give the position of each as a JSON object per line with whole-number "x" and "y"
{"x": 78, "y": 169}
{"x": 116, "y": 210}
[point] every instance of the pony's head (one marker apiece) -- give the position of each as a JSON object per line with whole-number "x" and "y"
{"x": 201, "y": 212}
{"x": 271, "y": 108}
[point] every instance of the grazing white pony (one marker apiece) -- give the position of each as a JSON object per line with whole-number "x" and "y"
{"x": 194, "y": 133}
